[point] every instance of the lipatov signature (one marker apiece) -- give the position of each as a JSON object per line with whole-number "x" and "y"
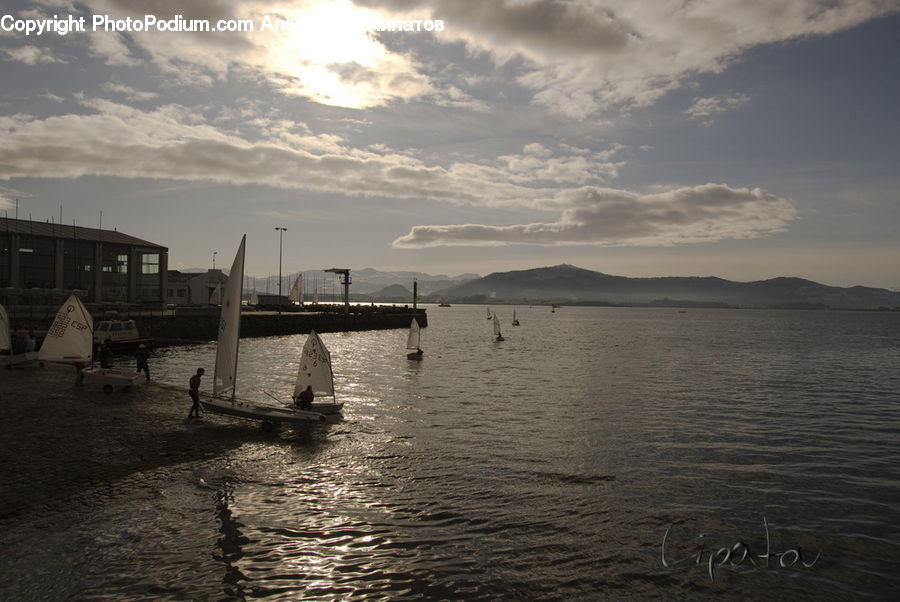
{"x": 738, "y": 553}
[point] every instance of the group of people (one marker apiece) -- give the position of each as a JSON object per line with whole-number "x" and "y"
{"x": 104, "y": 354}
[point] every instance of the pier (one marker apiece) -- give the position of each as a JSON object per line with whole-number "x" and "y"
{"x": 184, "y": 325}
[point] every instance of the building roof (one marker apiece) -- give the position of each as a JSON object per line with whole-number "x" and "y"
{"x": 51, "y": 230}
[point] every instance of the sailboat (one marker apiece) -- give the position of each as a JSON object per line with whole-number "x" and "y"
{"x": 315, "y": 371}
{"x": 497, "y": 328}
{"x": 413, "y": 341}
{"x": 296, "y": 293}
{"x": 488, "y": 313}
{"x": 216, "y": 297}
{"x": 70, "y": 340}
{"x": 12, "y": 359}
{"x": 225, "y": 375}
{"x": 515, "y": 322}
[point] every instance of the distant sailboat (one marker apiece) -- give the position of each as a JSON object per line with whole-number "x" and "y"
{"x": 413, "y": 341}
{"x": 497, "y": 328}
{"x": 227, "y": 346}
{"x": 488, "y": 313}
{"x": 216, "y": 297}
{"x": 515, "y": 322}
{"x": 296, "y": 293}
{"x": 315, "y": 371}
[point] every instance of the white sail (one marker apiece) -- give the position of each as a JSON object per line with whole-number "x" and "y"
{"x": 296, "y": 293}
{"x": 412, "y": 341}
{"x": 316, "y": 296}
{"x": 488, "y": 312}
{"x": 230, "y": 328}
{"x": 70, "y": 338}
{"x": 216, "y": 297}
{"x": 496, "y": 325}
{"x": 315, "y": 368}
{"x": 5, "y": 339}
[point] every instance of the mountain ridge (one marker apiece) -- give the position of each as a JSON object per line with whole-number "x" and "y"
{"x": 566, "y": 282}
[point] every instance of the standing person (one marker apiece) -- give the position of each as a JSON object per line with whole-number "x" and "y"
{"x": 194, "y": 391}
{"x": 305, "y": 399}
{"x": 142, "y": 355}
{"x": 29, "y": 341}
{"x": 104, "y": 353}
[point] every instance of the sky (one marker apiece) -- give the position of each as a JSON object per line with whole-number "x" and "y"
{"x": 744, "y": 140}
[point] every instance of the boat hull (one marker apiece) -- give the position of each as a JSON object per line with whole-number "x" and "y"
{"x": 327, "y": 408}
{"x": 20, "y": 360}
{"x": 111, "y": 379}
{"x": 240, "y": 409}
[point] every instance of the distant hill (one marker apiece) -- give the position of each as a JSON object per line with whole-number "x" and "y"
{"x": 569, "y": 283}
{"x": 369, "y": 280}
{"x": 394, "y": 292}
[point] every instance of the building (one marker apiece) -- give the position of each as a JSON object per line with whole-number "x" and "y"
{"x": 107, "y": 265}
{"x": 187, "y": 288}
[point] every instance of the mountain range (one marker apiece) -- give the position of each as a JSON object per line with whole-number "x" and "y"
{"x": 567, "y": 283}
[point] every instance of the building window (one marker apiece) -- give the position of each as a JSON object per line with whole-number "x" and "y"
{"x": 115, "y": 273}
{"x": 150, "y": 263}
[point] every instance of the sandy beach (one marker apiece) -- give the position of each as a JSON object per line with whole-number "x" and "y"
{"x": 57, "y": 438}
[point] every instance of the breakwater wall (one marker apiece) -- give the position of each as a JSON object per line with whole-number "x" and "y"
{"x": 173, "y": 329}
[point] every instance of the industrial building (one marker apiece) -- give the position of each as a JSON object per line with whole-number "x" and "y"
{"x": 106, "y": 266}
{"x": 187, "y": 288}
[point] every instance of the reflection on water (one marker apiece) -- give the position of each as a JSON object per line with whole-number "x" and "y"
{"x": 548, "y": 466}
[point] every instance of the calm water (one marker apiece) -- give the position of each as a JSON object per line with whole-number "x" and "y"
{"x": 548, "y": 466}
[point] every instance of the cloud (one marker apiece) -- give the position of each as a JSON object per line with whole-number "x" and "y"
{"x": 704, "y": 108}
{"x": 128, "y": 92}
{"x": 31, "y": 55}
{"x": 330, "y": 56}
{"x": 174, "y": 142}
{"x": 608, "y": 217}
{"x": 582, "y": 57}
{"x": 51, "y": 96}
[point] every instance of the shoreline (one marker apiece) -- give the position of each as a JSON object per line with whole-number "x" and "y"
{"x": 57, "y": 438}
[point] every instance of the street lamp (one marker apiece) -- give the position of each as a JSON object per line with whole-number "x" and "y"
{"x": 281, "y": 232}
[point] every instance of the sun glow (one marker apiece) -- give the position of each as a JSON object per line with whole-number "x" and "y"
{"x": 331, "y": 57}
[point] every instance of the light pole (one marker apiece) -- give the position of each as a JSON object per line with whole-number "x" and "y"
{"x": 281, "y": 232}
{"x": 214, "y": 259}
